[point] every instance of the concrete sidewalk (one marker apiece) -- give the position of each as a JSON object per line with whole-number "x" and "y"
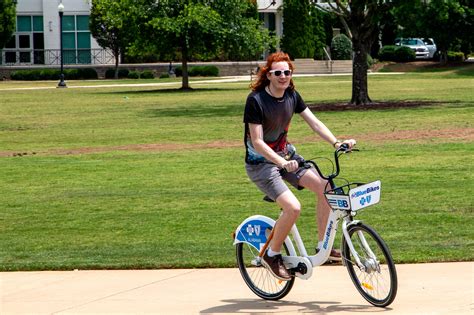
{"x": 423, "y": 289}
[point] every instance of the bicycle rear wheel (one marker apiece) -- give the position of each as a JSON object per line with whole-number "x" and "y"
{"x": 257, "y": 277}
{"x": 378, "y": 282}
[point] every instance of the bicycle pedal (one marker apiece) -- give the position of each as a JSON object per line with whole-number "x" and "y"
{"x": 257, "y": 262}
{"x": 301, "y": 268}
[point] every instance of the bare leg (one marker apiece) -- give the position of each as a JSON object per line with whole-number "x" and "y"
{"x": 291, "y": 210}
{"x": 316, "y": 184}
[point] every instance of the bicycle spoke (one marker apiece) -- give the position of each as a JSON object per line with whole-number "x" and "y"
{"x": 257, "y": 277}
{"x": 377, "y": 280}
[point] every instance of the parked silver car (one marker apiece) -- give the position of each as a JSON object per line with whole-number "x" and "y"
{"x": 430, "y": 44}
{"x": 417, "y": 45}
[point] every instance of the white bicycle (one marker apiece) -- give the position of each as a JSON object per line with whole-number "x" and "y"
{"x": 364, "y": 253}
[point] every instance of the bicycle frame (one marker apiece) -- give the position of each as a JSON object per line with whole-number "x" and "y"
{"x": 255, "y": 231}
{"x": 344, "y": 205}
{"x": 250, "y": 232}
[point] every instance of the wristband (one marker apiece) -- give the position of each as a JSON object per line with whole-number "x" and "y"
{"x": 336, "y": 142}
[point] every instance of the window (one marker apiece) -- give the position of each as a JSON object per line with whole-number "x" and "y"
{"x": 27, "y": 44}
{"x": 76, "y": 39}
{"x": 23, "y": 24}
{"x": 271, "y": 22}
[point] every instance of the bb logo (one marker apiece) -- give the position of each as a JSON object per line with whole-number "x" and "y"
{"x": 342, "y": 204}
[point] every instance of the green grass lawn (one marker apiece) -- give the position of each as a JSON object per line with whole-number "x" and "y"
{"x": 85, "y": 191}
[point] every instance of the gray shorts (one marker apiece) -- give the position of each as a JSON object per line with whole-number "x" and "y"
{"x": 268, "y": 179}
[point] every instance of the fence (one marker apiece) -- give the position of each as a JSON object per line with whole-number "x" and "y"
{"x": 19, "y": 57}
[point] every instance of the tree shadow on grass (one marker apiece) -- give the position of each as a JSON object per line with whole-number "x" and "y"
{"x": 196, "y": 111}
{"x": 169, "y": 91}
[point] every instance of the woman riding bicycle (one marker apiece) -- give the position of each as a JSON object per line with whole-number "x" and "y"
{"x": 268, "y": 112}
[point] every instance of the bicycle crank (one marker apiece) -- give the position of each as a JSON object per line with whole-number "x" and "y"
{"x": 301, "y": 267}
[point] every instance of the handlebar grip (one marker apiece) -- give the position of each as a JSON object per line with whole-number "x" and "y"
{"x": 344, "y": 147}
{"x": 283, "y": 171}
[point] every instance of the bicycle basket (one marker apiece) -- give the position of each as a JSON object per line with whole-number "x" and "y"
{"x": 354, "y": 196}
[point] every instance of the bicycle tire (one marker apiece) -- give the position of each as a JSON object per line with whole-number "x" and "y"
{"x": 371, "y": 283}
{"x": 258, "y": 278}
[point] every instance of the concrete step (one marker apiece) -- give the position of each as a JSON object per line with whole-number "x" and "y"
{"x": 311, "y": 66}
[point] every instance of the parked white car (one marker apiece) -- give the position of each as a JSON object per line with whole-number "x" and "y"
{"x": 430, "y": 44}
{"x": 417, "y": 45}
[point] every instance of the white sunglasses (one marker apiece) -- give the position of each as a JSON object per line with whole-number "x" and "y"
{"x": 278, "y": 73}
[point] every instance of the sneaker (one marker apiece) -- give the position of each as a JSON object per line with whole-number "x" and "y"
{"x": 276, "y": 267}
{"x": 334, "y": 256}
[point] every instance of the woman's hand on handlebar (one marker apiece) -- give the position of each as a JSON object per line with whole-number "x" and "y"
{"x": 346, "y": 144}
{"x": 289, "y": 166}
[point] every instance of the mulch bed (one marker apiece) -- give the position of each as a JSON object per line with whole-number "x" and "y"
{"x": 374, "y": 105}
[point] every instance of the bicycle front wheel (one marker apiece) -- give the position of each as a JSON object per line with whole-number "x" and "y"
{"x": 257, "y": 277}
{"x": 377, "y": 279}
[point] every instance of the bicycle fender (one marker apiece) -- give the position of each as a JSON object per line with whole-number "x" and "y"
{"x": 255, "y": 231}
{"x": 355, "y": 222}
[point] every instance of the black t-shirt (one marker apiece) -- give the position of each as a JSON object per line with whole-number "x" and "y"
{"x": 274, "y": 114}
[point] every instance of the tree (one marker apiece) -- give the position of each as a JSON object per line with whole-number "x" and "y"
{"x": 7, "y": 21}
{"x": 448, "y": 22}
{"x": 360, "y": 19}
{"x": 193, "y": 29}
{"x": 108, "y": 25}
{"x": 302, "y": 31}
{"x": 244, "y": 36}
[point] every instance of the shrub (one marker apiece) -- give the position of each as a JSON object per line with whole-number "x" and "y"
{"x": 341, "y": 48}
{"x": 133, "y": 75}
{"x": 109, "y": 73}
{"x": 26, "y": 75}
{"x": 53, "y": 74}
{"x": 122, "y": 73}
{"x": 455, "y": 56}
{"x": 370, "y": 61}
{"x": 164, "y": 75}
{"x": 71, "y": 74}
{"x": 87, "y": 73}
{"x": 396, "y": 53}
{"x": 178, "y": 71}
{"x": 147, "y": 74}
{"x": 387, "y": 53}
{"x": 194, "y": 71}
{"x": 49, "y": 74}
{"x": 204, "y": 71}
{"x": 210, "y": 71}
{"x": 404, "y": 54}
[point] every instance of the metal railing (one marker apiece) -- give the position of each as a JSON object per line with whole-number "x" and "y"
{"x": 329, "y": 61}
{"x": 24, "y": 57}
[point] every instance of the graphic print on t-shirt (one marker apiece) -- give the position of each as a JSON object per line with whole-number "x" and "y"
{"x": 275, "y": 116}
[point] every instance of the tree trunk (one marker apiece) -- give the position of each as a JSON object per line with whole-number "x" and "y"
{"x": 360, "y": 92}
{"x": 443, "y": 57}
{"x": 184, "y": 66}
{"x": 117, "y": 56}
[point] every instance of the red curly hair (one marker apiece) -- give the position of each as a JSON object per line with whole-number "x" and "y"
{"x": 262, "y": 81}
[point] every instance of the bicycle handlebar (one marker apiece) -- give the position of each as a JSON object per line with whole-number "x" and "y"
{"x": 344, "y": 148}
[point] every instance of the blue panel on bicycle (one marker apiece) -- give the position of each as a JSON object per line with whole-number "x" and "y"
{"x": 254, "y": 232}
